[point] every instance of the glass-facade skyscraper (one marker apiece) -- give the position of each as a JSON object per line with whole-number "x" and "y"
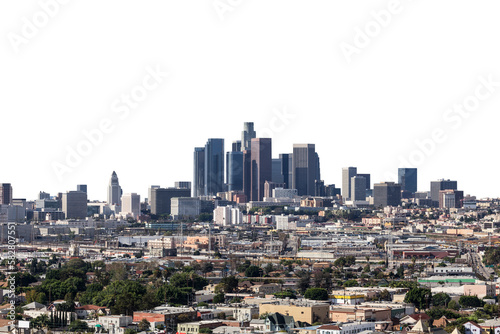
{"x": 247, "y": 135}
{"x": 305, "y": 168}
{"x": 261, "y": 166}
{"x": 234, "y": 170}
{"x": 199, "y": 172}
{"x": 407, "y": 178}
{"x": 214, "y": 166}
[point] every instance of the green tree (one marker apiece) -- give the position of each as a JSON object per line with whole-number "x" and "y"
{"x": 144, "y": 325}
{"x": 453, "y": 305}
{"x": 188, "y": 279}
{"x": 207, "y": 267}
{"x": 269, "y": 268}
{"x": 219, "y": 298}
{"x": 420, "y": 297}
{"x": 229, "y": 284}
{"x": 437, "y": 312}
{"x": 385, "y": 295}
{"x": 285, "y": 294}
{"x": 316, "y": 294}
{"x": 350, "y": 283}
{"x": 440, "y": 299}
{"x": 78, "y": 326}
{"x": 253, "y": 271}
{"x": 304, "y": 281}
{"x": 470, "y": 301}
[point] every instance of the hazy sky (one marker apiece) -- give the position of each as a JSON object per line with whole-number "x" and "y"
{"x": 366, "y": 81}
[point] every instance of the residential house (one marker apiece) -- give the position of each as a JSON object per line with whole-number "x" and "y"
{"x": 88, "y": 311}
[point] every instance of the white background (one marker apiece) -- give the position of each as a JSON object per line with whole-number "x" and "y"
{"x": 262, "y": 55}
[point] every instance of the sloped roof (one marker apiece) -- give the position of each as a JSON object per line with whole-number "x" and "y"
{"x": 33, "y": 306}
{"x": 420, "y": 327}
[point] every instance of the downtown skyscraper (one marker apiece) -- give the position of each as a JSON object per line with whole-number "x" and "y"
{"x": 234, "y": 169}
{"x": 214, "y": 166}
{"x": 305, "y": 168}
{"x": 261, "y": 166}
{"x": 199, "y": 172}
{"x": 114, "y": 190}
{"x": 247, "y": 135}
{"x": 5, "y": 193}
{"x": 347, "y": 174}
{"x": 407, "y": 178}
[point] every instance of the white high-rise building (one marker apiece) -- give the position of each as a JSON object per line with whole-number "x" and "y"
{"x": 227, "y": 215}
{"x": 131, "y": 204}
{"x": 114, "y": 190}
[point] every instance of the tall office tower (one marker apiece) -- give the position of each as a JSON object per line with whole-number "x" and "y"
{"x": 318, "y": 169}
{"x": 150, "y": 190}
{"x": 367, "y": 178}
{"x": 236, "y": 146}
{"x": 304, "y": 168}
{"x": 358, "y": 188}
{"x": 247, "y": 135}
{"x": 386, "y": 193}
{"x": 451, "y": 198}
{"x": 438, "y": 185}
{"x": 182, "y": 185}
{"x": 43, "y": 195}
{"x": 214, "y": 166}
{"x": 199, "y": 172}
{"x": 319, "y": 188}
{"x": 286, "y": 169}
{"x": 5, "y": 193}
{"x": 347, "y": 173}
{"x": 82, "y": 188}
{"x": 114, "y": 190}
{"x": 277, "y": 174}
{"x": 74, "y": 204}
{"x": 234, "y": 170}
{"x": 261, "y": 166}
{"x": 131, "y": 203}
{"x": 247, "y": 174}
{"x": 407, "y": 178}
{"x": 331, "y": 190}
{"x": 161, "y": 197}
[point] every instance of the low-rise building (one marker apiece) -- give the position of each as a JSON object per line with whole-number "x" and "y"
{"x": 307, "y": 312}
{"x": 194, "y": 327}
{"x": 346, "y": 314}
{"x": 115, "y": 324}
{"x": 346, "y": 328}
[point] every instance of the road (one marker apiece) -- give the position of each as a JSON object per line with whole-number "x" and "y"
{"x": 478, "y": 265}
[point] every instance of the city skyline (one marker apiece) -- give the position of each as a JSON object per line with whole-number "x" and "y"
{"x": 144, "y": 95}
{"x": 217, "y": 148}
{"x": 214, "y": 152}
